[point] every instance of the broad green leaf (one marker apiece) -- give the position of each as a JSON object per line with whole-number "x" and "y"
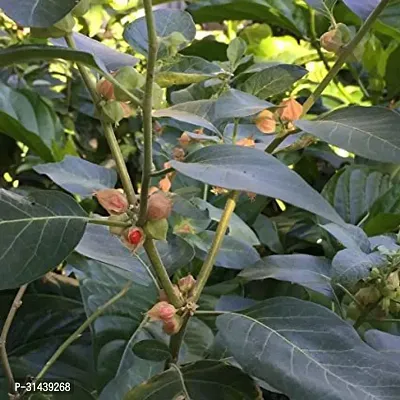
{"x": 99, "y": 244}
{"x": 282, "y": 13}
{"x": 197, "y": 91}
{"x": 391, "y": 75}
{"x": 307, "y": 352}
{"x": 110, "y": 58}
{"x": 207, "y": 379}
{"x": 37, "y": 233}
{"x": 370, "y": 132}
{"x": 166, "y": 22}
{"x": 37, "y": 13}
{"x": 268, "y": 233}
{"x": 384, "y": 215}
{"x": 78, "y": 176}
{"x": 186, "y": 70}
{"x": 233, "y": 303}
{"x": 237, "y": 227}
{"x": 388, "y": 345}
{"x": 236, "y": 50}
{"x": 273, "y": 79}
{"x": 252, "y": 170}
{"x": 353, "y": 190}
{"x": 28, "y": 53}
{"x": 321, "y": 5}
{"x": 117, "y": 330}
{"x": 234, "y": 253}
{"x": 35, "y": 335}
{"x": 151, "y": 350}
{"x": 362, "y": 8}
{"x": 306, "y": 270}
{"x": 351, "y": 265}
{"x": 350, "y": 236}
{"x": 27, "y": 118}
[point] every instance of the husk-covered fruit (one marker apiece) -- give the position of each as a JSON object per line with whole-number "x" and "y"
{"x": 113, "y": 111}
{"x": 159, "y": 206}
{"x": 130, "y": 79}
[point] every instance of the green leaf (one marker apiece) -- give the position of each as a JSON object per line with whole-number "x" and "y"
{"x": 234, "y": 253}
{"x": 28, "y": 53}
{"x": 122, "y": 325}
{"x": 166, "y": 22}
{"x": 186, "y": 70}
{"x": 37, "y": 13}
{"x": 272, "y": 80}
{"x": 78, "y": 176}
{"x": 351, "y": 265}
{"x": 354, "y": 189}
{"x": 307, "y": 352}
{"x": 236, "y": 51}
{"x": 27, "y": 118}
{"x": 157, "y": 229}
{"x": 252, "y": 170}
{"x": 37, "y": 233}
{"x": 381, "y": 223}
{"x": 306, "y": 270}
{"x": 99, "y": 244}
{"x": 207, "y": 379}
{"x": 350, "y": 236}
{"x": 237, "y": 227}
{"x": 391, "y": 75}
{"x": 152, "y": 350}
{"x": 268, "y": 233}
{"x": 104, "y": 55}
{"x": 370, "y": 132}
{"x": 388, "y": 345}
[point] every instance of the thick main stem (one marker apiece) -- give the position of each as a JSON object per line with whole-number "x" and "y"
{"x": 346, "y": 52}
{"x": 108, "y": 130}
{"x": 3, "y": 339}
{"x": 147, "y": 109}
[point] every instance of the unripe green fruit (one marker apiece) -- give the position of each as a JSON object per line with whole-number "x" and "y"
{"x": 130, "y": 79}
{"x": 158, "y": 96}
{"x": 176, "y": 39}
{"x": 113, "y": 112}
{"x": 157, "y": 229}
{"x": 336, "y": 38}
{"x": 81, "y": 9}
{"x": 59, "y": 29}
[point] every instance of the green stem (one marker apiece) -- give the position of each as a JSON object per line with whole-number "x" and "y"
{"x": 3, "y": 340}
{"x": 161, "y": 172}
{"x": 161, "y": 272}
{"x": 208, "y": 264}
{"x": 147, "y": 110}
{"x": 81, "y": 329}
{"x": 235, "y": 130}
{"x": 176, "y": 341}
{"x": 345, "y": 53}
{"x": 107, "y": 222}
{"x": 108, "y": 130}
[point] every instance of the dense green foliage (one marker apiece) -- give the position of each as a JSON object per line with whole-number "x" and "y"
{"x": 252, "y": 249}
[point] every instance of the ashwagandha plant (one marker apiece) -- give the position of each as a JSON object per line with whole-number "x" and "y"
{"x": 147, "y": 267}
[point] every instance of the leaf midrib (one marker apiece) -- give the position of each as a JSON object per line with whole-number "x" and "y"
{"x": 39, "y": 219}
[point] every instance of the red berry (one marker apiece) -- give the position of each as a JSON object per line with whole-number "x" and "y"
{"x": 135, "y": 236}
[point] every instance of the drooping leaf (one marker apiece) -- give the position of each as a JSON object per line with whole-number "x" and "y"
{"x": 252, "y": 170}
{"x": 99, "y": 244}
{"x": 152, "y": 350}
{"x": 37, "y": 13}
{"x": 37, "y": 233}
{"x": 166, "y": 22}
{"x": 27, "y": 118}
{"x": 310, "y": 271}
{"x": 350, "y": 236}
{"x": 306, "y": 351}
{"x": 273, "y": 80}
{"x": 122, "y": 325}
{"x": 388, "y": 345}
{"x": 110, "y": 58}
{"x": 206, "y": 379}
{"x": 237, "y": 227}
{"x": 186, "y": 70}
{"x": 78, "y": 176}
{"x": 234, "y": 253}
{"x": 353, "y": 190}
{"x": 370, "y": 132}
{"x": 351, "y": 265}
{"x": 28, "y": 53}
{"x": 236, "y": 51}
{"x": 268, "y": 233}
